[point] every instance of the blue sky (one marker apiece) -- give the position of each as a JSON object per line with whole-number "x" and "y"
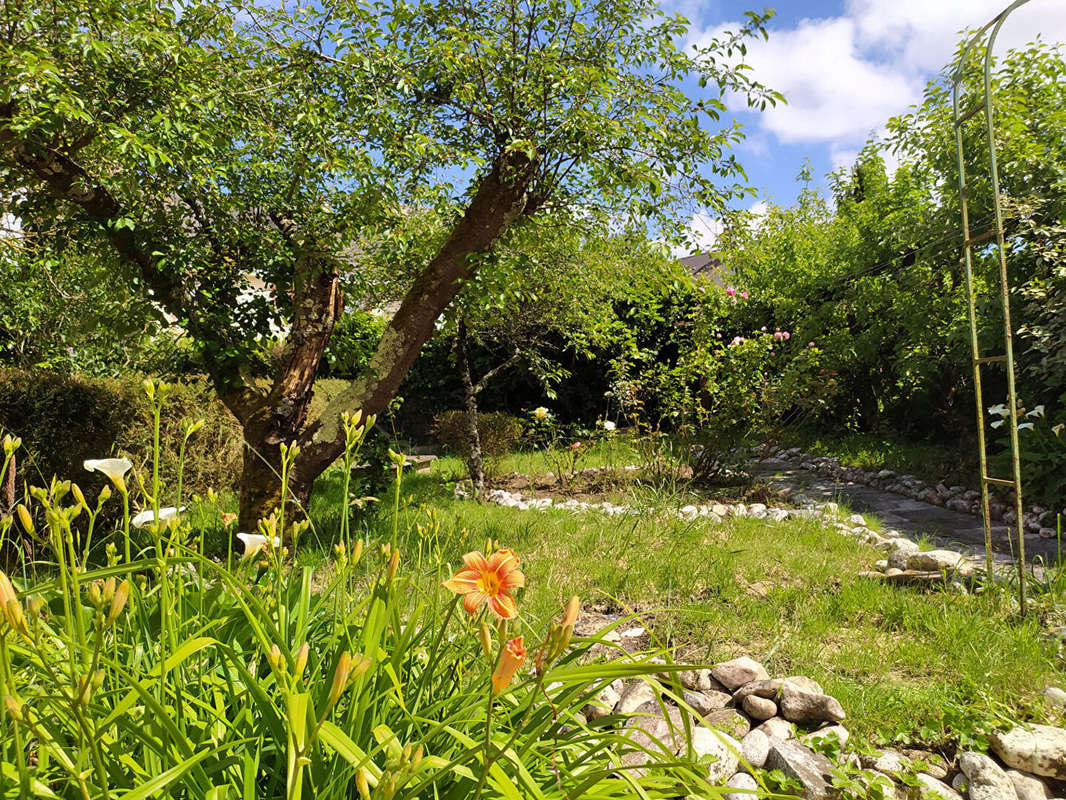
{"x": 846, "y": 66}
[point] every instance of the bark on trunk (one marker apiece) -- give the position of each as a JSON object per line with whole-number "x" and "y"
{"x": 474, "y": 461}
{"x": 279, "y": 417}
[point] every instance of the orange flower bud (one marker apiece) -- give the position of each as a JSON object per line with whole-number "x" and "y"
{"x": 512, "y": 657}
{"x": 118, "y": 602}
{"x": 340, "y": 678}
{"x": 394, "y": 563}
{"x": 573, "y": 608}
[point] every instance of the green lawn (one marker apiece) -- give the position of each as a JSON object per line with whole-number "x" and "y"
{"x": 905, "y": 664}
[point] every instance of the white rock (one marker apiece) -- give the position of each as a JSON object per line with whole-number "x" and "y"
{"x": 801, "y": 706}
{"x": 1028, "y": 787}
{"x": 744, "y": 781}
{"x": 811, "y": 769}
{"x": 759, "y": 708}
{"x": 635, "y": 694}
{"x": 935, "y": 789}
{"x": 777, "y": 728}
{"x": 755, "y": 747}
{"x": 984, "y": 778}
{"x": 890, "y": 762}
{"x": 937, "y": 560}
{"x": 857, "y": 519}
{"x": 723, "y": 747}
{"x": 1055, "y": 696}
{"x": 734, "y": 674}
{"x": 606, "y": 700}
{"x": 1039, "y": 749}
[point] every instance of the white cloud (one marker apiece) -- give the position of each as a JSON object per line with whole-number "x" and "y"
{"x": 924, "y": 34}
{"x": 704, "y": 230}
{"x": 844, "y": 76}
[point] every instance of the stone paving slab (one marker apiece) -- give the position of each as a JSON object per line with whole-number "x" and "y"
{"x": 912, "y": 517}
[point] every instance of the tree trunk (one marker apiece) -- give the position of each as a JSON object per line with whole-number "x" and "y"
{"x": 278, "y": 418}
{"x": 474, "y": 461}
{"x": 498, "y": 201}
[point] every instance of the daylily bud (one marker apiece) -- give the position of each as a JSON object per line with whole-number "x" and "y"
{"x": 512, "y": 657}
{"x": 394, "y": 563}
{"x": 274, "y": 657}
{"x": 104, "y": 496}
{"x": 25, "y": 519}
{"x": 357, "y": 551}
{"x": 14, "y": 708}
{"x": 341, "y": 553}
{"x": 193, "y": 427}
{"x": 571, "y": 612}
{"x": 11, "y": 444}
{"x": 94, "y": 594}
{"x": 301, "y": 660}
{"x": 35, "y": 605}
{"x": 485, "y": 637}
{"x": 14, "y": 616}
{"x": 359, "y": 667}
{"x": 340, "y": 678}
{"x": 148, "y": 387}
{"x": 118, "y": 602}
{"x": 362, "y": 784}
{"x": 416, "y": 757}
{"x": 76, "y": 491}
{"x": 108, "y": 590}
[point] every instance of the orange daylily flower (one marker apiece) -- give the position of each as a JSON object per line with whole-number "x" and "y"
{"x": 512, "y": 657}
{"x": 488, "y": 581}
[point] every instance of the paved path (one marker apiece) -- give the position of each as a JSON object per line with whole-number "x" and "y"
{"x": 912, "y": 517}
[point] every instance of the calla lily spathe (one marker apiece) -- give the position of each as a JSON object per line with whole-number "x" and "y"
{"x": 147, "y": 516}
{"x": 114, "y": 468}
{"x": 1036, "y": 412}
{"x": 255, "y": 542}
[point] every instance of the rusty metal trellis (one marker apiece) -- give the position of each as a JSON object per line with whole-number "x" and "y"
{"x": 988, "y": 35}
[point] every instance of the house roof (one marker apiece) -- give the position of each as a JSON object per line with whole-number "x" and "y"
{"x": 703, "y": 265}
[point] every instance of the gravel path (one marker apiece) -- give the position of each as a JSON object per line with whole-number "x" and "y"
{"x": 912, "y": 517}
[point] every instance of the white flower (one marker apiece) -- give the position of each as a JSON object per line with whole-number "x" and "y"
{"x": 997, "y": 423}
{"x": 1025, "y": 426}
{"x": 148, "y": 516}
{"x": 1058, "y": 428}
{"x": 1001, "y": 409}
{"x": 113, "y": 468}
{"x": 1036, "y": 412}
{"x": 540, "y": 412}
{"x": 607, "y": 425}
{"x": 254, "y": 542}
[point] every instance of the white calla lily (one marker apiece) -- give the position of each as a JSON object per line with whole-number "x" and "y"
{"x": 1036, "y": 412}
{"x": 1025, "y": 426}
{"x": 997, "y": 423}
{"x": 1000, "y": 409}
{"x": 255, "y": 542}
{"x": 148, "y": 516}
{"x": 114, "y": 468}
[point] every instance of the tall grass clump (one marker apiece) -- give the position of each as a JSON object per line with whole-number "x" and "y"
{"x": 132, "y": 666}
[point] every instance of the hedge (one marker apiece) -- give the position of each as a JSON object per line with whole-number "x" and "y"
{"x": 65, "y": 419}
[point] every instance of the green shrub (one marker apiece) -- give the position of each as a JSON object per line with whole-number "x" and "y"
{"x": 499, "y": 433}
{"x": 64, "y": 420}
